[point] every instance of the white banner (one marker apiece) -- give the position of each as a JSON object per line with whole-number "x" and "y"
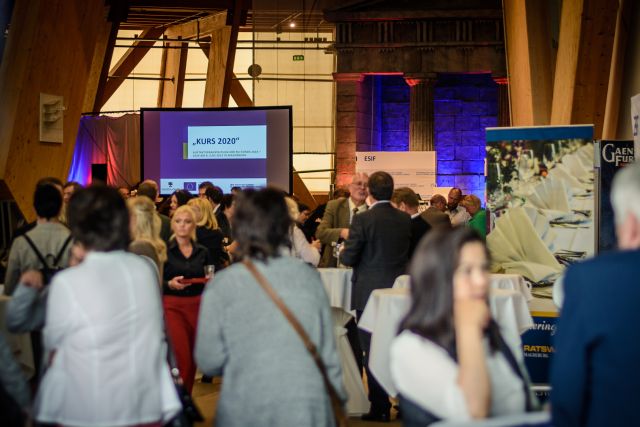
{"x": 635, "y": 122}
{"x": 413, "y": 169}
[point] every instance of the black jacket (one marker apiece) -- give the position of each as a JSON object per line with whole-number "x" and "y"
{"x": 377, "y": 249}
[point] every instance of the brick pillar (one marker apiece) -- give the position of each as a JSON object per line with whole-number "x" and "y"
{"x": 420, "y": 113}
{"x": 504, "y": 110}
{"x": 348, "y": 91}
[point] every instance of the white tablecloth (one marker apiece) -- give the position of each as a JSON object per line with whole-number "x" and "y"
{"x": 19, "y": 343}
{"x": 337, "y": 283}
{"x": 386, "y": 308}
{"x": 513, "y": 282}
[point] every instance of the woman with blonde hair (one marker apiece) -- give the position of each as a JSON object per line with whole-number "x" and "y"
{"x": 145, "y": 224}
{"x": 208, "y": 233}
{"x": 182, "y": 284}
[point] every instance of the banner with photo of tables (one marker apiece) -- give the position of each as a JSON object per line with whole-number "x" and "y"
{"x": 541, "y": 193}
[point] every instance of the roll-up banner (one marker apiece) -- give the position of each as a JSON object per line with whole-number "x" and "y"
{"x": 541, "y": 192}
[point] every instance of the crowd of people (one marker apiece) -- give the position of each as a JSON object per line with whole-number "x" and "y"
{"x": 112, "y": 284}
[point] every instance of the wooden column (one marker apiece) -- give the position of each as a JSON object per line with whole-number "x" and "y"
{"x": 530, "y": 61}
{"x": 218, "y": 52}
{"x": 420, "y": 113}
{"x": 587, "y": 29}
{"x": 612, "y": 109}
{"x": 173, "y": 67}
{"x": 50, "y": 49}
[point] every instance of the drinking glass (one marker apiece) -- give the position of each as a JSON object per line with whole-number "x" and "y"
{"x": 208, "y": 271}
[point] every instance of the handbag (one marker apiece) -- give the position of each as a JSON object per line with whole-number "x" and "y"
{"x": 190, "y": 412}
{"x": 339, "y": 414}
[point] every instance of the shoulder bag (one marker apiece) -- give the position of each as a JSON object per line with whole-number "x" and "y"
{"x": 338, "y": 410}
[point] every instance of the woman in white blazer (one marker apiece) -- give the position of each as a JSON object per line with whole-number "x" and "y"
{"x": 104, "y": 329}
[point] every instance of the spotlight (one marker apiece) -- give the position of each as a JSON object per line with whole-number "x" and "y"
{"x": 292, "y": 24}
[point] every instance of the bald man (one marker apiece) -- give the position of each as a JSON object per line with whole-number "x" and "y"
{"x": 338, "y": 215}
{"x": 435, "y": 215}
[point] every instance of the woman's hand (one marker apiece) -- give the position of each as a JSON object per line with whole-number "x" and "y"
{"x": 316, "y": 244}
{"x": 472, "y": 313}
{"x": 471, "y": 318}
{"x": 176, "y": 283}
{"x": 32, "y": 279}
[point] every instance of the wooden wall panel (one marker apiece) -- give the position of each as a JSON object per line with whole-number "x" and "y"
{"x": 50, "y": 49}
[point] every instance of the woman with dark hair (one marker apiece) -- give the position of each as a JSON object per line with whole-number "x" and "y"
{"x": 449, "y": 361}
{"x": 104, "y": 328}
{"x": 243, "y": 336}
{"x": 177, "y": 199}
{"x": 183, "y": 283}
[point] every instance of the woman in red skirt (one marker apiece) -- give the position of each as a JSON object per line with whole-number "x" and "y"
{"x": 186, "y": 260}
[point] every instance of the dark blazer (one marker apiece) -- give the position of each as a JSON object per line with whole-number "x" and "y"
{"x": 165, "y": 228}
{"x": 336, "y": 217}
{"x": 377, "y": 249}
{"x": 419, "y": 228}
{"x": 223, "y": 223}
{"x": 436, "y": 218}
{"x": 212, "y": 240}
{"x": 594, "y": 374}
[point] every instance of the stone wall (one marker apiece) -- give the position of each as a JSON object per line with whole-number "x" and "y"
{"x": 394, "y": 114}
{"x": 464, "y": 105}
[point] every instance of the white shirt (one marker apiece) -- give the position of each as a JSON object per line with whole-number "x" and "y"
{"x": 424, "y": 373}
{"x": 352, "y": 206}
{"x": 459, "y": 216}
{"x": 105, "y": 323}
{"x": 302, "y": 249}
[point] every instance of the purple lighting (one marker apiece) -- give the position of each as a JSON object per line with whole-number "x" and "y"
{"x": 464, "y": 105}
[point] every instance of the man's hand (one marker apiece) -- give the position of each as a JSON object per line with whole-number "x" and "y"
{"x": 32, "y": 279}
{"x": 344, "y": 233}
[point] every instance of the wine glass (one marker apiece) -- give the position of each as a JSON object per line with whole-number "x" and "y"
{"x": 525, "y": 165}
{"x": 209, "y": 271}
{"x": 549, "y": 155}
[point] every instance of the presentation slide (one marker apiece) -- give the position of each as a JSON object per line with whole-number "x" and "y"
{"x": 244, "y": 148}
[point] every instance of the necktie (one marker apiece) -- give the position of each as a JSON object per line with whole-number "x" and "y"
{"x": 355, "y": 212}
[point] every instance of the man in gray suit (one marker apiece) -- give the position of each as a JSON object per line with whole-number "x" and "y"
{"x": 338, "y": 215}
{"x": 435, "y": 215}
{"x": 378, "y": 251}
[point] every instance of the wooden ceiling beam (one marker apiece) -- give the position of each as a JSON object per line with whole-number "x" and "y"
{"x": 231, "y": 51}
{"x": 202, "y": 26}
{"x": 128, "y": 62}
{"x": 238, "y": 93}
{"x": 181, "y": 4}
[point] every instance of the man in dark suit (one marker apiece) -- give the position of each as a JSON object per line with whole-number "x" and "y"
{"x": 214, "y": 195}
{"x": 435, "y": 214}
{"x": 406, "y": 200}
{"x": 377, "y": 249}
{"x": 595, "y": 379}
{"x": 337, "y": 216}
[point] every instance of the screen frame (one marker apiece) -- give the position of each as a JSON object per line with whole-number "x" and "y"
{"x": 273, "y": 107}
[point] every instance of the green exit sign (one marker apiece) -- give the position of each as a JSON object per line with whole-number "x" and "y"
{"x": 298, "y": 57}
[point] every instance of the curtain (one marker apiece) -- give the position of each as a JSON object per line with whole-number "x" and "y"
{"x": 111, "y": 140}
